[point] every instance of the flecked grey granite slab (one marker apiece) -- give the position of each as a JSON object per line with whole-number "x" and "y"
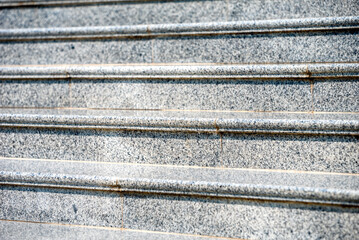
{"x": 282, "y": 87}
{"x": 93, "y": 208}
{"x": 216, "y": 139}
{"x": 15, "y": 230}
{"x": 125, "y": 13}
{"x": 291, "y": 152}
{"x": 84, "y": 13}
{"x": 282, "y": 40}
{"x": 76, "y": 52}
{"x": 240, "y": 219}
{"x": 239, "y": 183}
{"x": 47, "y": 93}
{"x": 279, "y": 48}
{"x": 276, "y": 9}
{"x": 336, "y": 95}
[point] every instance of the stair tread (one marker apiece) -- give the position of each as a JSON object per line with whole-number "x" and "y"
{"x": 167, "y": 120}
{"x": 33, "y": 230}
{"x": 216, "y": 182}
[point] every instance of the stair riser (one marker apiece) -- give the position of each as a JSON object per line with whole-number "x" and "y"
{"x": 170, "y": 12}
{"x": 228, "y": 218}
{"x": 278, "y": 48}
{"x": 291, "y": 152}
{"x": 334, "y": 95}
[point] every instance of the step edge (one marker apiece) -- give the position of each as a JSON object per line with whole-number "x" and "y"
{"x": 177, "y": 72}
{"x": 213, "y": 124}
{"x": 183, "y": 29}
{"x": 179, "y": 187}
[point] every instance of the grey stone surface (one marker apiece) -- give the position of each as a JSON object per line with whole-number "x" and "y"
{"x": 34, "y": 93}
{"x": 236, "y": 218}
{"x": 209, "y": 87}
{"x": 264, "y": 184}
{"x": 240, "y": 10}
{"x": 312, "y": 188}
{"x": 191, "y": 94}
{"x": 60, "y": 206}
{"x": 271, "y": 37}
{"x": 264, "y": 95}
{"x": 146, "y": 94}
{"x": 306, "y": 153}
{"x": 112, "y": 146}
{"x": 184, "y": 138}
{"x": 76, "y": 52}
{"x": 336, "y": 96}
{"x": 278, "y": 48}
{"x": 11, "y": 230}
{"x": 140, "y": 12}
{"x": 160, "y": 12}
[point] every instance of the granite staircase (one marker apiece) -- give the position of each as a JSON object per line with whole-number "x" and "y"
{"x": 208, "y": 119}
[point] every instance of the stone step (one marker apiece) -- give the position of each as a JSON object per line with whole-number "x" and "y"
{"x": 15, "y": 230}
{"x": 76, "y": 13}
{"x": 290, "y": 40}
{"x": 284, "y": 141}
{"x": 308, "y": 87}
{"x": 237, "y": 203}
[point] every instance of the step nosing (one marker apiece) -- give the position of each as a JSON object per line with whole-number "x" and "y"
{"x": 180, "y": 186}
{"x": 44, "y": 3}
{"x": 182, "y": 121}
{"x": 181, "y": 72}
{"x": 191, "y": 29}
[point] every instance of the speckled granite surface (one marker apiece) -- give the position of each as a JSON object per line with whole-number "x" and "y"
{"x": 287, "y": 87}
{"x": 313, "y": 188}
{"x": 75, "y": 52}
{"x": 241, "y": 218}
{"x": 142, "y": 12}
{"x": 92, "y": 208}
{"x": 340, "y": 35}
{"x": 279, "y": 48}
{"x": 184, "y": 138}
{"x": 12, "y": 230}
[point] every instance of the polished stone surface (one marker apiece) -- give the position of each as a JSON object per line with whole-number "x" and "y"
{"x": 112, "y": 146}
{"x": 307, "y": 187}
{"x": 278, "y": 48}
{"x": 291, "y": 152}
{"x": 336, "y": 95}
{"x": 61, "y": 206}
{"x": 240, "y": 10}
{"x": 184, "y": 138}
{"x": 11, "y": 230}
{"x": 199, "y": 95}
{"x": 145, "y": 12}
{"x": 206, "y": 87}
{"x": 162, "y": 12}
{"x": 48, "y": 93}
{"x": 76, "y": 52}
{"x": 237, "y": 218}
